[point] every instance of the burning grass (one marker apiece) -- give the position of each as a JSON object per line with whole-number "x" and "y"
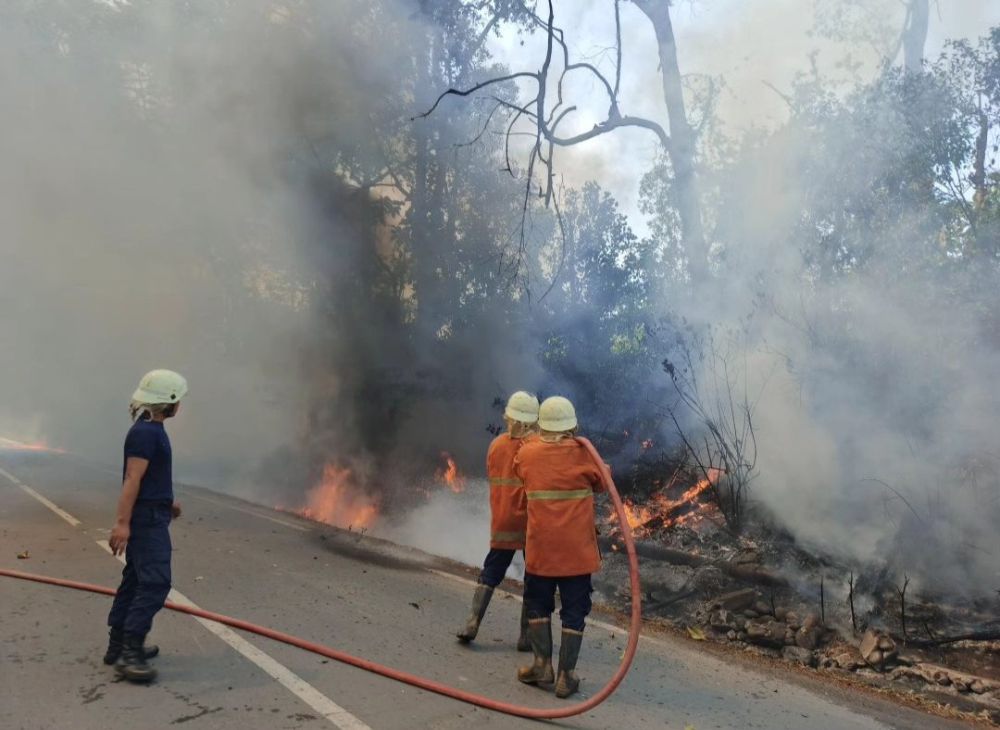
{"x": 40, "y": 446}
{"x": 673, "y": 506}
{"x": 336, "y": 500}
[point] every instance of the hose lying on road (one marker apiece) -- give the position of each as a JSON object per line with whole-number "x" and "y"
{"x": 412, "y": 679}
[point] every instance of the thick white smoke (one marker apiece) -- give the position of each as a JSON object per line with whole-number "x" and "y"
{"x": 153, "y": 211}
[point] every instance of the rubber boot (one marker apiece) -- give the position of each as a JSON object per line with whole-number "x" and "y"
{"x": 116, "y": 642}
{"x": 480, "y": 600}
{"x": 132, "y": 663}
{"x": 523, "y": 642}
{"x": 539, "y": 671}
{"x": 567, "y": 682}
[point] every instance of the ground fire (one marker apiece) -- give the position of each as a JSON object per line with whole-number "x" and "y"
{"x": 450, "y": 475}
{"x": 12, "y": 445}
{"x": 691, "y": 507}
{"x": 337, "y": 501}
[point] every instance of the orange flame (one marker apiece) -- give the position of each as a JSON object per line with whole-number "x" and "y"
{"x": 450, "y": 474}
{"x": 640, "y": 517}
{"x": 13, "y": 445}
{"x": 337, "y": 501}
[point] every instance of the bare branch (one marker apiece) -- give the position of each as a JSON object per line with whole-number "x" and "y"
{"x": 472, "y": 90}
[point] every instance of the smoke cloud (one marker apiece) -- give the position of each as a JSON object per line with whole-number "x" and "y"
{"x": 155, "y": 212}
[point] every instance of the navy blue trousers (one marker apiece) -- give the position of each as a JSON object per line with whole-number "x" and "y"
{"x": 146, "y": 577}
{"x": 495, "y": 566}
{"x": 574, "y": 598}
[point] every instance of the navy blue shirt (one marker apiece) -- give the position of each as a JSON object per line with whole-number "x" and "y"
{"x": 148, "y": 440}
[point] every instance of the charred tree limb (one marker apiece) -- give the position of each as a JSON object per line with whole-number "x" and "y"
{"x": 985, "y": 635}
{"x": 651, "y": 551}
{"x": 901, "y": 592}
{"x": 473, "y": 89}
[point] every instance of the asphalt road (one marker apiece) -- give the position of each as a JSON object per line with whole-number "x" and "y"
{"x": 390, "y": 604}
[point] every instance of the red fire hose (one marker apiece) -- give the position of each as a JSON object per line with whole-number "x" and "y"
{"x": 412, "y": 679}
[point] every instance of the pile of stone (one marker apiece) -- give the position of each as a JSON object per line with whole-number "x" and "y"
{"x": 744, "y": 616}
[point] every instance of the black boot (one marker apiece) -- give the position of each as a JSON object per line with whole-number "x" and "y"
{"x": 116, "y": 642}
{"x": 569, "y": 651}
{"x": 523, "y": 642}
{"x": 480, "y": 600}
{"x": 132, "y": 663}
{"x": 539, "y": 671}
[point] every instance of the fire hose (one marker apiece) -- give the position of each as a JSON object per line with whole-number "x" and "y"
{"x": 412, "y": 679}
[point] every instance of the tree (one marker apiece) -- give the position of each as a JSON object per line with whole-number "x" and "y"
{"x": 678, "y": 145}
{"x": 914, "y": 36}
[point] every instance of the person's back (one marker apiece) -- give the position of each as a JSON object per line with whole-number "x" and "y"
{"x": 508, "y": 512}
{"x": 560, "y": 479}
{"x": 508, "y": 508}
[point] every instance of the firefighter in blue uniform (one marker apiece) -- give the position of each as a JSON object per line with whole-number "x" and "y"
{"x": 145, "y": 508}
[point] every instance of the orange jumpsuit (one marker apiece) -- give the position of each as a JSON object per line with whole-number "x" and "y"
{"x": 560, "y": 479}
{"x": 508, "y": 507}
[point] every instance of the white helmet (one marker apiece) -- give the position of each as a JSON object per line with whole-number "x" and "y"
{"x": 557, "y": 414}
{"x": 160, "y": 386}
{"x": 522, "y": 407}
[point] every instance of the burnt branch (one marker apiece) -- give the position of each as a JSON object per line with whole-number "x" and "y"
{"x": 901, "y": 592}
{"x": 985, "y": 635}
{"x": 725, "y": 447}
{"x": 472, "y": 90}
{"x": 850, "y": 600}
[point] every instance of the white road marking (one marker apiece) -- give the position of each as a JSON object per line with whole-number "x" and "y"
{"x": 320, "y": 703}
{"x": 249, "y": 511}
{"x": 590, "y": 622}
{"x": 279, "y": 672}
{"x": 55, "y": 508}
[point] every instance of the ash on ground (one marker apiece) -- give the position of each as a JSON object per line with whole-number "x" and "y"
{"x": 762, "y": 593}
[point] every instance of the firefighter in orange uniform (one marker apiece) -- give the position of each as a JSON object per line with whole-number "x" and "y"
{"x": 560, "y": 478}
{"x": 508, "y": 511}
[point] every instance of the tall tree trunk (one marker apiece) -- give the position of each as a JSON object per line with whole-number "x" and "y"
{"x": 682, "y": 138}
{"x": 978, "y": 177}
{"x": 918, "y": 16}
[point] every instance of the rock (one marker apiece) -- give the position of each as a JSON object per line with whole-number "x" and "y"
{"x": 977, "y": 686}
{"x": 731, "y": 635}
{"x": 763, "y": 608}
{"x": 750, "y": 613}
{"x": 827, "y": 662}
{"x": 811, "y": 621}
{"x": 799, "y": 655}
{"x": 766, "y": 633}
{"x": 780, "y": 613}
{"x": 876, "y": 648}
{"x": 741, "y": 635}
{"x": 960, "y": 686}
{"x": 737, "y": 600}
{"x": 847, "y": 661}
{"x": 793, "y": 620}
{"x": 807, "y": 637}
{"x": 789, "y": 636}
